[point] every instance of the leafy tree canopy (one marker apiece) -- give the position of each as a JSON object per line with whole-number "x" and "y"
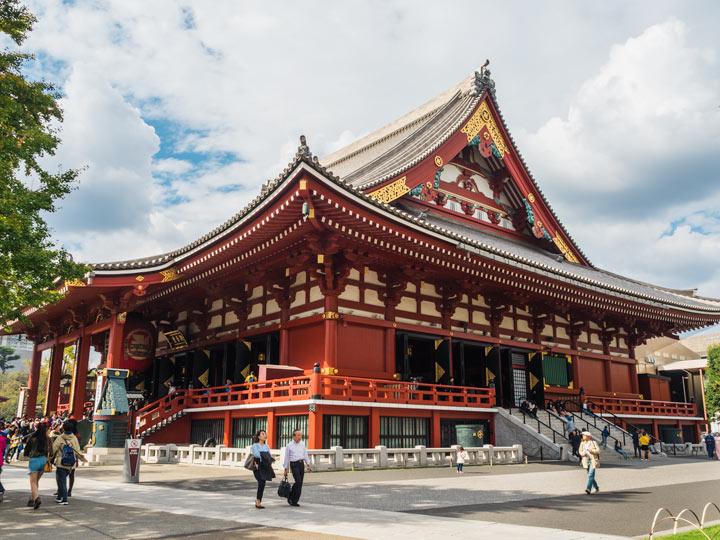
{"x": 30, "y": 262}
{"x": 712, "y": 385}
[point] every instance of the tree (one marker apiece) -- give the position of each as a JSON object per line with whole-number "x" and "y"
{"x": 10, "y": 384}
{"x": 30, "y": 262}
{"x": 7, "y": 357}
{"x": 712, "y": 385}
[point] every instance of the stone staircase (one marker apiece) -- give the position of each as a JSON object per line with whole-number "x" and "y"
{"x": 551, "y": 426}
{"x": 162, "y": 424}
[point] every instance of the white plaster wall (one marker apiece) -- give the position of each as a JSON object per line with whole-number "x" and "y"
{"x": 351, "y": 293}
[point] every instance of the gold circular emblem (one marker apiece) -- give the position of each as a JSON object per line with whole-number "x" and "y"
{"x": 438, "y": 161}
{"x": 539, "y": 224}
{"x": 531, "y": 197}
{"x": 486, "y": 136}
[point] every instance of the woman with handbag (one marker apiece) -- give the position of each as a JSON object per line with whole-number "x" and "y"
{"x": 590, "y": 453}
{"x": 263, "y": 464}
{"x": 37, "y": 449}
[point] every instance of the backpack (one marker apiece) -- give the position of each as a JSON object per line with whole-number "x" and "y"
{"x": 67, "y": 458}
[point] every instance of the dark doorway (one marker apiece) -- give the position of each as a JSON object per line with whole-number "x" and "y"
{"x": 469, "y": 365}
{"x": 425, "y": 358}
{"x": 448, "y": 435}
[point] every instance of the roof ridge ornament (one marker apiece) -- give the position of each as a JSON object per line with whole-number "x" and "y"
{"x": 303, "y": 150}
{"x": 483, "y": 82}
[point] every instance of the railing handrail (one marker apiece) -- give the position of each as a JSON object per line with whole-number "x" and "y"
{"x": 637, "y": 429}
{"x": 581, "y": 418}
{"x": 298, "y": 387}
{"x": 510, "y": 407}
{"x": 646, "y": 402}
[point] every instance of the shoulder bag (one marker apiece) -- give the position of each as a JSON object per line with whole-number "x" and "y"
{"x": 249, "y": 462}
{"x": 284, "y": 488}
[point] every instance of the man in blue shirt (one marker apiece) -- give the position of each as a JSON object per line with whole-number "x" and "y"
{"x": 296, "y": 457}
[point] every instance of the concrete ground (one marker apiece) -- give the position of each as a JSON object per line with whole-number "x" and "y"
{"x": 539, "y": 500}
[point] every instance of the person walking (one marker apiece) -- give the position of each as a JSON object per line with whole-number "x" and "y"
{"x": 3, "y": 445}
{"x": 296, "y": 457}
{"x": 717, "y": 445}
{"x": 65, "y": 453}
{"x": 605, "y": 435}
{"x": 37, "y": 450}
{"x": 636, "y": 443}
{"x": 462, "y": 457}
{"x": 710, "y": 445}
{"x": 590, "y": 460}
{"x": 263, "y": 464}
{"x": 575, "y": 439}
{"x": 644, "y": 446}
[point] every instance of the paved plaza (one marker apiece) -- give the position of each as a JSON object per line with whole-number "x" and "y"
{"x": 539, "y": 500}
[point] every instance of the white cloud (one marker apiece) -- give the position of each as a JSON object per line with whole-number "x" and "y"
{"x": 229, "y": 88}
{"x": 634, "y": 167}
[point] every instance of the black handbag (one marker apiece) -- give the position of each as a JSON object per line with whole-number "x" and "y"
{"x": 284, "y": 488}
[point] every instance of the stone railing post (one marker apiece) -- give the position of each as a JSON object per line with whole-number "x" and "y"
{"x": 382, "y": 456}
{"x": 191, "y": 453}
{"x": 218, "y": 454}
{"x": 491, "y": 453}
{"x": 336, "y": 459}
{"x": 421, "y": 455}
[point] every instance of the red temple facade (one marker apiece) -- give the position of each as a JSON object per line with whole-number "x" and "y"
{"x": 412, "y": 281}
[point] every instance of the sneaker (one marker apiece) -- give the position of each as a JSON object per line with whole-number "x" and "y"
{"x": 63, "y": 503}
{"x": 37, "y": 503}
{"x": 58, "y": 501}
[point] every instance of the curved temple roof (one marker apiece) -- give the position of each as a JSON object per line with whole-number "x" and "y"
{"x": 397, "y": 147}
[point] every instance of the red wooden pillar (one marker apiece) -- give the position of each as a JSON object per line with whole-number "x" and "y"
{"x": 79, "y": 381}
{"x": 374, "y": 427}
{"x": 655, "y": 431}
{"x": 697, "y": 433}
{"x": 315, "y": 429}
{"x": 435, "y": 430}
{"x": 114, "y": 356}
{"x": 271, "y": 427}
{"x": 33, "y": 382}
{"x": 390, "y": 350}
{"x": 53, "y": 382}
{"x": 227, "y": 430}
{"x": 284, "y": 346}
{"x": 608, "y": 375}
{"x": 331, "y": 330}
{"x": 634, "y": 383}
{"x": 576, "y": 371}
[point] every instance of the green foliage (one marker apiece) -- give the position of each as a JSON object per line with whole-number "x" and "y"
{"x": 712, "y": 385}
{"x": 7, "y": 357}
{"x": 30, "y": 263}
{"x": 10, "y": 384}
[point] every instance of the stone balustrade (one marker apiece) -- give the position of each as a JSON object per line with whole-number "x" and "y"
{"x": 336, "y": 458}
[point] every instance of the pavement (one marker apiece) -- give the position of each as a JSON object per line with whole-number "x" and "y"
{"x": 538, "y": 500}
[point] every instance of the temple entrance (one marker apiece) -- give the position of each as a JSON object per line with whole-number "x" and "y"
{"x": 469, "y": 366}
{"x": 423, "y": 358}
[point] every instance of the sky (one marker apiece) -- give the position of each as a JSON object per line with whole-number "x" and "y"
{"x": 179, "y": 111}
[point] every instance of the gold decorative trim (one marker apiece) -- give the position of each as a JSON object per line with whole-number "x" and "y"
{"x": 389, "y": 193}
{"x": 531, "y": 197}
{"x": 75, "y": 283}
{"x": 438, "y": 161}
{"x": 171, "y": 274}
{"x": 140, "y": 279}
{"x": 331, "y": 315}
{"x": 484, "y": 118}
{"x": 564, "y": 249}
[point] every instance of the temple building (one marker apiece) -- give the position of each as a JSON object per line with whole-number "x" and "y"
{"x": 415, "y": 280}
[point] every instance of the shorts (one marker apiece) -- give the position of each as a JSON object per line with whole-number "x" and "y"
{"x": 37, "y": 464}
{"x": 644, "y": 447}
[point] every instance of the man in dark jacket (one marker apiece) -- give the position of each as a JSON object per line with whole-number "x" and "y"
{"x": 636, "y": 444}
{"x": 710, "y": 445}
{"x": 575, "y": 440}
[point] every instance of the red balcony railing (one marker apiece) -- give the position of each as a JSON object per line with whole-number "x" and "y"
{"x": 374, "y": 390}
{"x": 328, "y": 388}
{"x": 641, "y": 406}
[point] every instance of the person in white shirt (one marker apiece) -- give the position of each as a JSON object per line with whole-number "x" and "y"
{"x": 296, "y": 457}
{"x": 462, "y": 457}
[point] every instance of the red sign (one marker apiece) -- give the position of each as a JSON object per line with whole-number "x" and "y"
{"x": 134, "y": 455}
{"x": 139, "y": 346}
